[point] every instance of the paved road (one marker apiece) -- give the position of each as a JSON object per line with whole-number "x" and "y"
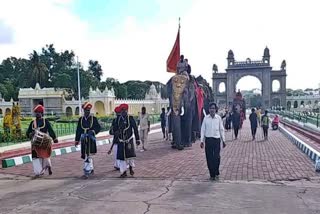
{"x": 256, "y": 177}
{"x": 242, "y": 159}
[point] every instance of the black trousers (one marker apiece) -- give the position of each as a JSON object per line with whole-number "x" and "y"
{"x": 212, "y": 148}
{"x": 236, "y": 131}
{"x": 253, "y": 131}
{"x": 228, "y": 125}
{"x": 163, "y": 131}
{"x": 265, "y": 131}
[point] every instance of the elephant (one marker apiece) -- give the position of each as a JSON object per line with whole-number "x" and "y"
{"x": 207, "y": 93}
{"x": 185, "y": 116}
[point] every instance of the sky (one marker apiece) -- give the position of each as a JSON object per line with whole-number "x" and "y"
{"x": 133, "y": 38}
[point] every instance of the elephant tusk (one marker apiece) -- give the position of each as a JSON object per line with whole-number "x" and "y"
{"x": 204, "y": 112}
{"x": 182, "y": 111}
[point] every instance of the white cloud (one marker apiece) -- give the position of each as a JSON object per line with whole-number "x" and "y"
{"x": 209, "y": 30}
{"x": 37, "y": 23}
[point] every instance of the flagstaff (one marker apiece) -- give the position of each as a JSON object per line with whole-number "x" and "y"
{"x": 79, "y": 93}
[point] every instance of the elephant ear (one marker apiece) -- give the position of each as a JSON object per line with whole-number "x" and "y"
{"x": 169, "y": 91}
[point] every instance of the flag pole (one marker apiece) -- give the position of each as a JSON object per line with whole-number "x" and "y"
{"x": 79, "y": 92}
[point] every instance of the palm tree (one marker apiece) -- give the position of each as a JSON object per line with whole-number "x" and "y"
{"x": 39, "y": 69}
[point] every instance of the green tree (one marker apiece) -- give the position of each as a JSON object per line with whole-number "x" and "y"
{"x": 95, "y": 68}
{"x": 137, "y": 89}
{"x": 40, "y": 70}
{"x": 121, "y": 91}
{"x": 8, "y": 90}
{"x": 62, "y": 80}
{"x": 289, "y": 92}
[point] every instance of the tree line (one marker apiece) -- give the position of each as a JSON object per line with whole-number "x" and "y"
{"x": 51, "y": 68}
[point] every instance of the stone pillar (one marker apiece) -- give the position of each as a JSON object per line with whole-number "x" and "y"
{"x": 230, "y": 88}
{"x": 283, "y": 90}
{"x": 266, "y": 89}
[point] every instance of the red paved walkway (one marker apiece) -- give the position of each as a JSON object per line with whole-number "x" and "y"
{"x": 276, "y": 159}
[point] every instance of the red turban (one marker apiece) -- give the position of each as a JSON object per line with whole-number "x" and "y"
{"x": 117, "y": 109}
{"x": 39, "y": 108}
{"x": 124, "y": 106}
{"x": 87, "y": 106}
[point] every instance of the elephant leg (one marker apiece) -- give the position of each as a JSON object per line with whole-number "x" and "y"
{"x": 186, "y": 129}
{"x": 176, "y": 131}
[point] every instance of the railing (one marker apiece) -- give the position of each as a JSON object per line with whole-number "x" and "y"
{"x": 299, "y": 116}
{"x": 61, "y": 129}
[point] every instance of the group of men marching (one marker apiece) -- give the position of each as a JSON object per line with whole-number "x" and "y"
{"x": 124, "y": 129}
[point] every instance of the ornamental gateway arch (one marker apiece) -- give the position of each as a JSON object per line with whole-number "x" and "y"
{"x": 260, "y": 69}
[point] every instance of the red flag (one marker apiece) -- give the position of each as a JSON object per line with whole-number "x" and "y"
{"x": 174, "y": 56}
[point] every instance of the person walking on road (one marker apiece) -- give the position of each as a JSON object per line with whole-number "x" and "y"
{"x": 41, "y": 148}
{"x": 212, "y": 133}
{"x": 144, "y": 124}
{"x": 115, "y": 140}
{"x": 254, "y": 123}
{"x": 258, "y": 112}
{"x": 126, "y": 129}
{"x": 265, "y": 120}
{"x": 236, "y": 122}
{"x": 163, "y": 122}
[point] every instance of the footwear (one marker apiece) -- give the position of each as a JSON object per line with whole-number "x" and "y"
{"x": 180, "y": 148}
{"x": 123, "y": 175}
{"x": 131, "y": 170}
{"x": 36, "y": 176}
{"x": 116, "y": 168}
{"x": 49, "y": 170}
{"x": 217, "y": 177}
{"x": 85, "y": 176}
{"x": 212, "y": 178}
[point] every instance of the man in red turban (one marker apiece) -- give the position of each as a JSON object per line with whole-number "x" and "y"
{"x": 38, "y": 109}
{"x": 115, "y": 141}
{"x": 124, "y": 107}
{"x": 87, "y": 129}
{"x": 87, "y": 106}
{"x": 124, "y": 129}
{"x": 41, "y": 154}
{"x": 117, "y": 110}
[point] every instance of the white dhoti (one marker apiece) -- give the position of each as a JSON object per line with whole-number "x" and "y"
{"x": 125, "y": 164}
{"x": 115, "y": 151}
{"x": 144, "y": 136}
{"x": 88, "y": 165}
{"x": 40, "y": 165}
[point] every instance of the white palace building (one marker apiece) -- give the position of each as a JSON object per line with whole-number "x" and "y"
{"x": 103, "y": 102}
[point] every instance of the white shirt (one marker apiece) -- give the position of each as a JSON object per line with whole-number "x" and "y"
{"x": 144, "y": 118}
{"x": 182, "y": 66}
{"x": 212, "y": 127}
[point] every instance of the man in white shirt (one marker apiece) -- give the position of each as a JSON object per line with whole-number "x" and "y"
{"x": 182, "y": 66}
{"x": 144, "y": 124}
{"x": 212, "y": 133}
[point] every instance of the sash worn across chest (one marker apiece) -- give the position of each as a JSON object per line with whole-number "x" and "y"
{"x": 86, "y": 123}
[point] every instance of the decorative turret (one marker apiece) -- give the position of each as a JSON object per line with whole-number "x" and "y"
{"x": 266, "y": 56}
{"x": 152, "y": 94}
{"x": 283, "y": 65}
{"x": 37, "y": 86}
{"x": 215, "y": 68}
{"x": 230, "y": 58}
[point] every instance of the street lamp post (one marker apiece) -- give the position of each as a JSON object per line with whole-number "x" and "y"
{"x": 79, "y": 93}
